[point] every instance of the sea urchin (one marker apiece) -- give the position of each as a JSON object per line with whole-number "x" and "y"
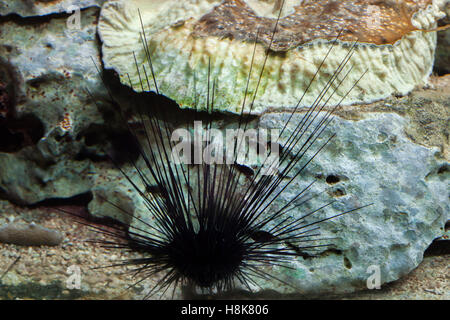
{"x": 211, "y": 224}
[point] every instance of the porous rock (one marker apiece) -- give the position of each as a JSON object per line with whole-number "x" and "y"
{"x": 371, "y": 161}
{"x": 48, "y": 68}
{"x": 186, "y": 39}
{"x": 27, "y": 8}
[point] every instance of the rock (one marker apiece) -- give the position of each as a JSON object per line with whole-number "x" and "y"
{"x": 374, "y": 162}
{"x": 191, "y": 37}
{"x": 29, "y": 235}
{"x": 111, "y": 197}
{"x": 47, "y": 68}
{"x": 27, "y": 8}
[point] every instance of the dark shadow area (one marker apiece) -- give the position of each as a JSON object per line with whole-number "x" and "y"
{"x": 158, "y": 105}
{"x": 439, "y": 246}
{"x": 103, "y": 143}
{"x": 442, "y": 59}
{"x": 18, "y": 133}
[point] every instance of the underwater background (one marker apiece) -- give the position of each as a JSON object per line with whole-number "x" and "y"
{"x": 57, "y": 119}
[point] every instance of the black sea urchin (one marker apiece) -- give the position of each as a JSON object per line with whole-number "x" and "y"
{"x": 210, "y": 222}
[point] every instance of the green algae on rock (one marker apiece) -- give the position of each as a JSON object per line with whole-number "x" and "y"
{"x": 184, "y": 37}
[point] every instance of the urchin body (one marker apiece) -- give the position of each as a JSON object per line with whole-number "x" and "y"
{"x": 208, "y": 257}
{"x": 212, "y": 248}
